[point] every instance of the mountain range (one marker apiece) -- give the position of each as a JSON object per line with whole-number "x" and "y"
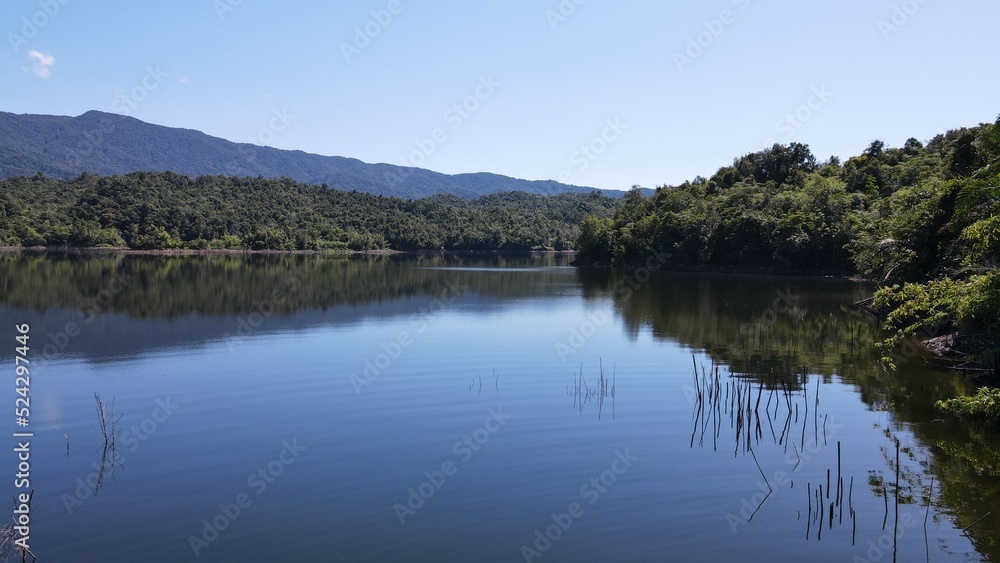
{"x": 107, "y": 144}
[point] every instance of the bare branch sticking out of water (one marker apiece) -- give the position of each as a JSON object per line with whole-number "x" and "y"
{"x": 109, "y": 430}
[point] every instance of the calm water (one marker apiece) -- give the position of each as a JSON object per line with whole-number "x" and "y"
{"x": 291, "y": 408}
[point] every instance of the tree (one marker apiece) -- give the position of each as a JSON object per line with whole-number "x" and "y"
{"x": 595, "y": 239}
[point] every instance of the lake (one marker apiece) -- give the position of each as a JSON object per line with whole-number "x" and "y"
{"x": 476, "y": 408}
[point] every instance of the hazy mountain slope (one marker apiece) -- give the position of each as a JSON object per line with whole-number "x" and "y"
{"x": 107, "y": 144}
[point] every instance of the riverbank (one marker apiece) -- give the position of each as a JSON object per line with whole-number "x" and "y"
{"x": 729, "y": 269}
{"x": 188, "y": 251}
{"x": 235, "y": 251}
{"x": 974, "y": 355}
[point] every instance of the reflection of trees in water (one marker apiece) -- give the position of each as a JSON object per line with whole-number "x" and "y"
{"x": 756, "y": 325}
{"x": 767, "y": 329}
{"x": 781, "y": 400}
{"x": 762, "y": 328}
{"x": 144, "y": 286}
{"x": 737, "y": 401}
{"x": 958, "y": 463}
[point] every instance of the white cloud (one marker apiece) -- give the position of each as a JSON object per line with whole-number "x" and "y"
{"x": 184, "y": 79}
{"x": 41, "y": 64}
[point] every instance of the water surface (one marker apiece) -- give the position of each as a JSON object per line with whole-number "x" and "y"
{"x": 479, "y": 409}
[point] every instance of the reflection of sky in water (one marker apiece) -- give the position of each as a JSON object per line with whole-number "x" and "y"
{"x": 366, "y": 445}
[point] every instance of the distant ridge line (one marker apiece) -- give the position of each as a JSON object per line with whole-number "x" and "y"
{"x": 110, "y": 144}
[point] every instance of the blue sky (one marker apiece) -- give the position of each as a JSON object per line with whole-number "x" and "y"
{"x": 596, "y": 93}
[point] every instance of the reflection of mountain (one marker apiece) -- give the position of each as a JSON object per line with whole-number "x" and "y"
{"x": 757, "y": 326}
{"x": 131, "y": 304}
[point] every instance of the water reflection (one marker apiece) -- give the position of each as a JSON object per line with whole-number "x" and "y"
{"x": 169, "y": 287}
{"x": 757, "y": 325}
{"x": 595, "y": 392}
{"x": 775, "y": 343}
{"x": 736, "y": 400}
{"x": 109, "y": 306}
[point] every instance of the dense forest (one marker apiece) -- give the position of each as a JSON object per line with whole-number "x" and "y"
{"x": 922, "y": 220}
{"x": 167, "y": 211}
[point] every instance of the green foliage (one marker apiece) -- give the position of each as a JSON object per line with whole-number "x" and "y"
{"x": 924, "y": 220}
{"x": 978, "y": 205}
{"x": 773, "y": 209}
{"x": 942, "y": 237}
{"x": 984, "y": 405}
{"x": 983, "y": 238}
{"x": 595, "y": 238}
{"x": 167, "y": 211}
{"x": 940, "y": 305}
{"x": 902, "y": 236}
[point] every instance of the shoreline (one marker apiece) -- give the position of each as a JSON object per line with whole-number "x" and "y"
{"x": 968, "y": 354}
{"x": 729, "y": 269}
{"x": 944, "y": 347}
{"x": 264, "y": 251}
{"x": 578, "y": 263}
{"x": 182, "y": 251}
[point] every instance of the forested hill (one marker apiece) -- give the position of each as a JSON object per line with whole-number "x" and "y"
{"x": 923, "y": 220}
{"x": 894, "y": 214}
{"x": 167, "y": 210}
{"x": 110, "y": 144}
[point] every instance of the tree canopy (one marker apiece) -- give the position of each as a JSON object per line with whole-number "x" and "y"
{"x": 166, "y": 211}
{"x": 923, "y": 220}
